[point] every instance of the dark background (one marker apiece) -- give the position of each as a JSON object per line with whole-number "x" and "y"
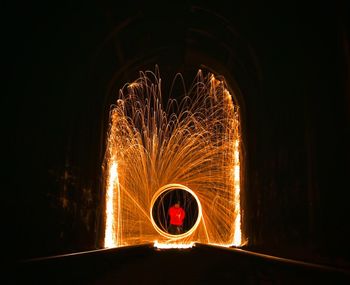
{"x": 288, "y": 64}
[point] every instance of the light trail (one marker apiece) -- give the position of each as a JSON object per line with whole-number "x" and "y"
{"x": 169, "y": 187}
{"x": 237, "y": 237}
{"x": 110, "y": 236}
{"x": 192, "y": 144}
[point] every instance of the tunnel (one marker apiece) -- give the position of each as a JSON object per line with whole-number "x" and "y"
{"x": 288, "y": 71}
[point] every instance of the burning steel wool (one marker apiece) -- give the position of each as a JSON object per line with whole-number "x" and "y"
{"x": 186, "y": 150}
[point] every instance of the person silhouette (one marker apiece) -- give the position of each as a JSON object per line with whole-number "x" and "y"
{"x": 177, "y": 215}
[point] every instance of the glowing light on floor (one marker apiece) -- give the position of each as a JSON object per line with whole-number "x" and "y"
{"x": 173, "y": 245}
{"x": 192, "y": 144}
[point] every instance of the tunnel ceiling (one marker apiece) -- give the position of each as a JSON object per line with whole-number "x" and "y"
{"x": 191, "y": 37}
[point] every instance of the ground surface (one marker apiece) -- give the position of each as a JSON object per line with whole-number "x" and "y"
{"x": 198, "y": 265}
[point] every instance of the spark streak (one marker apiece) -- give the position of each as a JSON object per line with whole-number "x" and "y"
{"x": 110, "y": 238}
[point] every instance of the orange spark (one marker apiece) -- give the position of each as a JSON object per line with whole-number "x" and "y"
{"x": 192, "y": 145}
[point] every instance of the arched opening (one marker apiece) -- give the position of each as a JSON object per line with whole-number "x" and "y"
{"x": 213, "y": 45}
{"x": 155, "y": 140}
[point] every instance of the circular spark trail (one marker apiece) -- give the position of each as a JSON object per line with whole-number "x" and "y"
{"x": 160, "y": 192}
{"x": 194, "y": 143}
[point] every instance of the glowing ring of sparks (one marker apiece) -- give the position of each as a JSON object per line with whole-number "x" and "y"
{"x": 172, "y": 187}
